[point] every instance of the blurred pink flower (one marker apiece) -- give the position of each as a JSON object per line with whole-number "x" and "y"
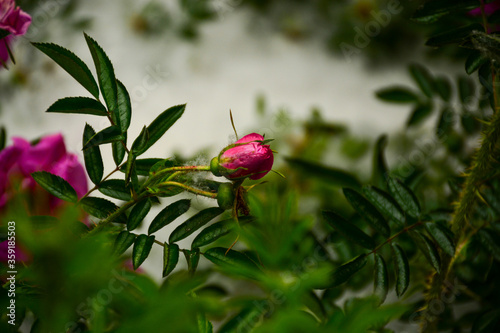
{"x": 249, "y": 158}
{"x": 489, "y": 8}
{"x": 13, "y": 20}
{"x": 49, "y": 154}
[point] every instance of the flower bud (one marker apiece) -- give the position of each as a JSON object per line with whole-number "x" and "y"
{"x": 247, "y": 157}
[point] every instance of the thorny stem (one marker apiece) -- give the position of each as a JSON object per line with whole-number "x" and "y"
{"x": 175, "y": 170}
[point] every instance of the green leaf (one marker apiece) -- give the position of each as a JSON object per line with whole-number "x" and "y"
{"x": 428, "y": 249}
{"x": 441, "y": 235}
{"x": 487, "y": 322}
{"x": 419, "y": 113}
{"x": 344, "y": 272}
{"x": 397, "y": 94}
{"x": 474, "y": 61}
{"x": 138, "y": 213}
{"x": 192, "y": 259}
{"x": 217, "y": 230}
{"x": 3, "y": 138}
{"x": 423, "y": 78}
{"x": 115, "y": 188}
{"x": 247, "y": 319}
{"x": 55, "y": 185}
{"x": 446, "y": 120}
{"x": 466, "y": 89}
{"x": 142, "y": 247}
{"x": 170, "y": 258}
{"x": 161, "y": 124}
{"x": 491, "y": 240}
{"x": 142, "y": 166}
{"x": 105, "y": 73}
{"x": 78, "y": 105}
{"x": 92, "y": 157}
{"x": 404, "y": 197}
{"x": 169, "y": 214}
{"x": 71, "y": 64}
{"x": 107, "y": 135}
{"x": 380, "y": 279}
{"x": 348, "y": 230}
{"x": 385, "y": 204}
{"x": 123, "y": 113}
{"x": 367, "y": 211}
{"x": 101, "y": 208}
{"x": 432, "y": 11}
{"x": 233, "y": 261}
{"x": 123, "y": 241}
{"x": 204, "y": 326}
{"x": 452, "y": 36}
{"x": 119, "y": 150}
{"x": 141, "y": 141}
{"x": 379, "y": 164}
{"x": 402, "y": 269}
{"x": 194, "y": 223}
{"x": 442, "y": 86}
{"x": 333, "y": 176}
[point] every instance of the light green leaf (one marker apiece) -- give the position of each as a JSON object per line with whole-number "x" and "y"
{"x": 71, "y": 64}
{"x": 55, "y": 185}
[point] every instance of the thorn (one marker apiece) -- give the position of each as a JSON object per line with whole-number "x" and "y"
{"x": 487, "y": 123}
{"x": 482, "y": 198}
{"x": 232, "y": 124}
{"x": 279, "y": 174}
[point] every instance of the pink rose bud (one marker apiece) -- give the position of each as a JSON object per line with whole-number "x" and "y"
{"x": 13, "y": 20}
{"x": 247, "y": 157}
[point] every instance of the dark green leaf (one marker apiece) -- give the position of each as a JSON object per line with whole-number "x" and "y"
{"x": 194, "y": 223}
{"x": 397, "y": 95}
{"x": 192, "y": 259}
{"x": 123, "y": 242}
{"x": 3, "y": 138}
{"x": 334, "y": 176}
{"x": 138, "y": 213}
{"x": 169, "y": 214}
{"x": 487, "y": 322}
{"x": 380, "y": 279}
{"x": 429, "y": 250}
{"x": 455, "y": 35}
{"x": 101, "y": 208}
{"x": 344, "y": 272}
{"x": 92, "y": 157}
{"x": 142, "y": 166}
{"x": 384, "y": 203}
{"x": 402, "y": 269}
{"x": 366, "y": 210}
{"x": 442, "y": 86}
{"x": 474, "y": 61}
{"x": 404, "y": 197}
{"x": 431, "y": 11}
{"x": 469, "y": 122}
{"x": 423, "y": 78}
{"x": 55, "y": 185}
{"x": 247, "y": 319}
{"x": 232, "y": 260}
{"x": 105, "y": 74}
{"x": 379, "y": 164}
{"x": 487, "y": 43}
{"x": 466, "y": 89}
{"x": 170, "y": 258}
{"x": 419, "y": 114}
{"x": 107, "y": 135}
{"x": 446, "y": 120}
{"x": 141, "y": 141}
{"x": 78, "y": 105}
{"x": 217, "y": 230}
{"x": 123, "y": 113}
{"x": 161, "y": 124}
{"x": 115, "y": 188}
{"x": 442, "y": 237}
{"x": 348, "y": 230}
{"x": 142, "y": 246}
{"x": 119, "y": 150}
{"x": 491, "y": 240}
{"x": 71, "y": 64}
